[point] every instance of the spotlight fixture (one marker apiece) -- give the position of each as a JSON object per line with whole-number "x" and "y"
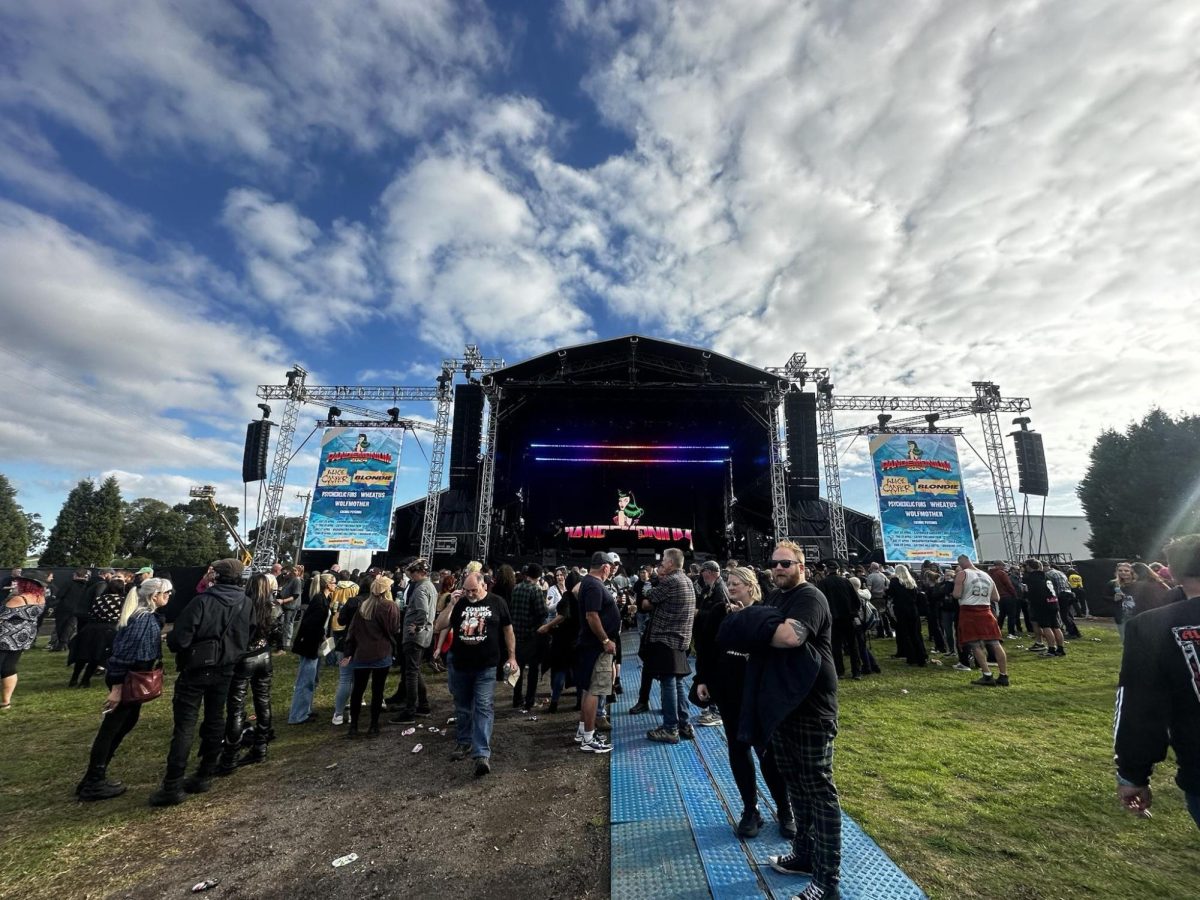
{"x": 825, "y": 386}
{"x": 932, "y": 418}
{"x": 266, "y": 410}
{"x": 394, "y": 413}
{"x": 1023, "y": 421}
{"x": 334, "y": 413}
{"x": 883, "y": 418}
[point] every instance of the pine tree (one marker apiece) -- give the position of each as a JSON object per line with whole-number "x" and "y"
{"x": 14, "y": 527}
{"x": 98, "y": 541}
{"x": 62, "y": 548}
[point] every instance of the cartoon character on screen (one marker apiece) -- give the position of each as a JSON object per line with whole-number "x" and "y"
{"x": 914, "y": 452}
{"x": 362, "y": 445}
{"x": 628, "y": 512}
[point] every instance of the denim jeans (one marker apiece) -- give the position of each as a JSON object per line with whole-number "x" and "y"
{"x": 415, "y": 696}
{"x": 1193, "y": 805}
{"x": 674, "y": 701}
{"x": 287, "y": 622}
{"x": 302, "y": 694}
{"x": 345, "y": 686}
{"x": 474, "y": 692}
{"x": 558, "y": 681}
{"x": 950, "y": 628}
{"x": 194, "y": 690}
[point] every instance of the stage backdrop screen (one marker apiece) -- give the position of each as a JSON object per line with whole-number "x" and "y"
{"x": 356, "y": 482}
{"x": 922, "y": 507}
{"x": 628, "y": 495}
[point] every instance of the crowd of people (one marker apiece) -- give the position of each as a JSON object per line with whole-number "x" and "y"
{"x": 769, "y": 647}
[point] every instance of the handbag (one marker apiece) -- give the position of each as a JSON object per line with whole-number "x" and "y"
{"x": 142, "y": 687}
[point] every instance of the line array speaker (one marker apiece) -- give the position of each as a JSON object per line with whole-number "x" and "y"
{"x": 464, "y": 433}
{"x": 1032, "y": 475}
{"x": 804, "y": 475}
{"x": 254, "y": 457}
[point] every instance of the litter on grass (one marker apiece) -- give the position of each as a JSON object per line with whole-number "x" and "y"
{"x": 344, "y": 860}
{"x": 418, "y": 748}
{"x": 407, "y": 731}
{"x": 331, "y": 766}
{"x": 204, "y": 885}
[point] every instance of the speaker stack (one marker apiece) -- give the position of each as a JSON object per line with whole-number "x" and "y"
{"x": 804, "y": 474}
{"x": 254, "y": 457}
{"x": 1032, "y": 476}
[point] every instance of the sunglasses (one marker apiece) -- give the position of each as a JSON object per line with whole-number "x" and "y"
{"x": 783, "y": 563}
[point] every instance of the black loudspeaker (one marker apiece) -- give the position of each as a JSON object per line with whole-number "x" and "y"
{"x": 464, "y": 434}
{"x": 254, "y": 457}
{"x": 804, "y": 475}
{"x": 1032, "y": 476}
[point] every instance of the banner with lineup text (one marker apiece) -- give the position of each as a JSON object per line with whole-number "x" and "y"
{"x": 922, "y": 507}
{"x": 356, "y": 485}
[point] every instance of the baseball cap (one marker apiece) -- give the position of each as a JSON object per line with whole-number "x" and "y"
{"x": 145, "y": 570}
{"x": 710, "y": 565}
{"x": 229, "y": 568}
{"x": 605, "y": 558}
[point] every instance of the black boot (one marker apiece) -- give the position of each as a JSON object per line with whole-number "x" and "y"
{"x": 352, "y": 732}
{"x": 170, "y": 793}
{"x": 96, "y": 787}
{"x": 229, "y": 761}
{"x": 256, "y": 754}
{"x": 201, "y": 782}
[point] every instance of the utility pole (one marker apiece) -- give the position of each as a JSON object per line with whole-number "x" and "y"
{"x": 306, "y": 496}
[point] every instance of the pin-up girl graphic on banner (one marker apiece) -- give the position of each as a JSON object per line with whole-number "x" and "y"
{"x": 628, "y": 512}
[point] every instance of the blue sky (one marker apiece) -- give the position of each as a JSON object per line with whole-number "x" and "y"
{"x": 194, "y": 196}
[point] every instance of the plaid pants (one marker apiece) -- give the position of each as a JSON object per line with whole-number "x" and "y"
{"x": 803, "y": 750}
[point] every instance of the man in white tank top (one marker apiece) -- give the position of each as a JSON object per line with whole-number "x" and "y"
{"x": 977, "y": 626}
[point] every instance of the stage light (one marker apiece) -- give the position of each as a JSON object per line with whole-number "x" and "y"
{"x": 647, "y": 462}
{"x": 394, "y": 413}
{"x": 883, "y": 418}
{"x": 266, "y": 410}
{"x": 932, "y": 418}
{"x": 1023, "y": 421}
{"x": 632, "y": 446}
{"x": 334, "y": 413}
{"x": 825, "y": 386}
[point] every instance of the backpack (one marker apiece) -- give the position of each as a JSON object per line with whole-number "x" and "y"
{"x": 870, "y": 615}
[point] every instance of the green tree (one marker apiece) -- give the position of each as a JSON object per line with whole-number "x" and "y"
{"x": 62, "y": 547}
{"x": 289, "y": 538}
{"x": 14, "y": 527}
{"x": 153, "y": 530}
{"x": 207, "y": 537}
{"x": 1142, "y": 487}
{"x": 37, "y": 533}
{"x": 100, "y": 530}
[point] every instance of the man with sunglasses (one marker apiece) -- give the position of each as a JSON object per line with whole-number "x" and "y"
{"x": 802, "y": 743}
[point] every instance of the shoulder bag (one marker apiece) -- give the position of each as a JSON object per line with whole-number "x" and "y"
{"x": 142, "y": 687}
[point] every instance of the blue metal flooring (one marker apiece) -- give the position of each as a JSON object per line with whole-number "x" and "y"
{"x": 674, "y": 810}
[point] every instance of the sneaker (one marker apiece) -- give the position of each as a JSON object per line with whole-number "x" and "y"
{"x": 708, "y": 718}
{"x": 663, "y": 735}
{"x": 959, "y": 667}
{"x": 1061, "y": 651}
{"x": 790, "y": 864}
{"x": 482, "y": 767}
{"x": 985, "y": 681}
{"x": 686, "y": 733}
{"x": 787, "y": 829}
{"x": 338, "y": 718}
{"x": 639, "y": 708}
{"x": 578, "y": 736}
{"x": 750, "y": 824}
{"x": 404, "y": 718}
{"x": 1036, "y": 647}
{"x": 1002, "y": 681}
{"x": 814, "y": 892}
{"x": 595, "y": 745}
{"x": 1012, "y": 637}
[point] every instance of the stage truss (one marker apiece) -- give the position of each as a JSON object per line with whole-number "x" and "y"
{"x": 986, "y": 403}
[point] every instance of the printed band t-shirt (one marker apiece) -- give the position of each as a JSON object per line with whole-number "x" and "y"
{"x": 977, "y": 588}
{"x": 595, "y": 597}
{"x": 478, "y": 627}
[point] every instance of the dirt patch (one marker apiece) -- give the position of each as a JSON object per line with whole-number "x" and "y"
{"x": 422, "y": 826}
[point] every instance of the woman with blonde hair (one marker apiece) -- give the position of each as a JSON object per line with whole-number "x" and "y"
{"x": 907, "y": 600}
{"x": 136, "y": 647}
{"x": 721, "y": 679}
{"x": 369, "y": 651}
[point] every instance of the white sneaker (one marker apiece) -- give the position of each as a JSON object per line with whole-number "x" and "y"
{"x": 1012, "y": 637}
{"x": 959, "y": 667}
{"x": 595, "y": 746}
{"x": 337, "y": 719}
{"x": 578, "y": 736}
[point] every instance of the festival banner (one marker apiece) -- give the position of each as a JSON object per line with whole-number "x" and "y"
{"x": 922, "y": 507}
{"x": 356, "y": 484}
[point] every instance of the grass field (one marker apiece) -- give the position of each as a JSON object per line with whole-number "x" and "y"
{"x": 976, "y": 793}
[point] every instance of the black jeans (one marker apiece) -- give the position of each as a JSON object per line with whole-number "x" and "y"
{"x": 253, "y": 673}
{"x": 935, "y": 632}
{"x": 113, "y": 728}
{"x": 1066, "y": 611}
{"x": 741, "y": 761}
{"x": 209, "y": 688}
{"x": 527, "y": 677}
{"x": 87, "y": 668}
{"x": 1010, "y": 613}
{"x": 844, "y": 641}
{"x": 377, "y": 677}
{"x": 415, "y": 695}
{"x": 64, "y": 630}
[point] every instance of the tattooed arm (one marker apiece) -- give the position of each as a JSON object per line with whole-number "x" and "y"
{"x": 790, "y": 634}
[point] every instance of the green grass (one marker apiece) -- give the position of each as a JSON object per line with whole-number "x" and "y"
{"x": 976, "y": 793}
{"x": 988, "y": 793}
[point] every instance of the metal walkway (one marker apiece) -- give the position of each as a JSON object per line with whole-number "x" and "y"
{"x": 674, "y": 810}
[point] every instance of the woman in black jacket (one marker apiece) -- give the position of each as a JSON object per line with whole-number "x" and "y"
{"x": 907, "y": 601}
{"x": 93, "y": 644}
{"x": 252, "y": 671}
{"x": 307, "y": 645}
{"x": 721, "y": 678}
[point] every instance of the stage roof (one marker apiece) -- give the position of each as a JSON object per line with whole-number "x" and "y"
{"x": 634, "y": 359}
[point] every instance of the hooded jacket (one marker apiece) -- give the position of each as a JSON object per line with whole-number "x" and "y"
{"x": 221, "y": 613}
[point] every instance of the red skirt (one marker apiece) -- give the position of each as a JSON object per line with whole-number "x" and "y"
{"x": 976, "y": 623}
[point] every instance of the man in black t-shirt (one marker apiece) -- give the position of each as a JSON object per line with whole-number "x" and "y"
{"x": 480, "y": 621}
{"x": 599, "y": 630}
{"x": 802, "y": 744}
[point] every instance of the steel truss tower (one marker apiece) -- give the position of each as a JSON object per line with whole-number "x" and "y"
{"x": 266, "y": 545}
{"x": 487, "y": 473}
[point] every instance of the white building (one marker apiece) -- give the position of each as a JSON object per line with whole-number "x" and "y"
{"x": 1052, "y": 534}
